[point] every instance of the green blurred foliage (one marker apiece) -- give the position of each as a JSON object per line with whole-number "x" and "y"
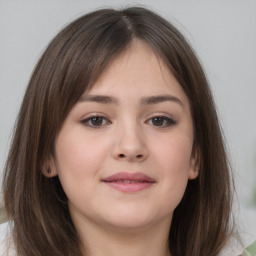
{"x": 250, "y": 250}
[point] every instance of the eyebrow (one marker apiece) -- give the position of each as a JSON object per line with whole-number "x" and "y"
{"x": 159, "y": 99}
{"x": 149, "y": 100}
{"x": 100, "y": 99}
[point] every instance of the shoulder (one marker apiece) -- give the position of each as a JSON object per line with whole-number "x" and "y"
{"x": 6, "y": 245}
{"x": 233, "y": 248}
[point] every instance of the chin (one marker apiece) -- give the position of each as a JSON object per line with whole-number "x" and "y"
{"x": 135, "y": 220}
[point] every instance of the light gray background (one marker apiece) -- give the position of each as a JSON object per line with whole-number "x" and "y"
{"x": 223, "y": 32}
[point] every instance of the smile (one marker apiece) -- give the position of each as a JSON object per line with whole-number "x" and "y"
{"x": 129, "y": 182}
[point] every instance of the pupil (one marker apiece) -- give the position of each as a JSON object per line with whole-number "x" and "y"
{"x": 96, "y": 120}
{"x": 158, "y": 121}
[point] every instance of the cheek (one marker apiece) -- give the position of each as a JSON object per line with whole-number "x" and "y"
{"x": 75, "y": 151}
{"x": 173, "y": 160}
{"x": 174, "y": 153}
{"x": 78, "y": 159}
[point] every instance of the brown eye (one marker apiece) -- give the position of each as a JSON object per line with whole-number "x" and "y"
{"x": 161, "y": 121}
{"x": 95, "y": 121}
{"x": 158, "y": 121}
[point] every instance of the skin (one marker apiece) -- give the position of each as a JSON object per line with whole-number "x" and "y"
{"x": 124, "y": 137}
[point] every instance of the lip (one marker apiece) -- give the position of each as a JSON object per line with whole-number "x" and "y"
{"x": 129, "y": 182}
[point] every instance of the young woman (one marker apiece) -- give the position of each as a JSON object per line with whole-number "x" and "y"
{"x": 117, "y": 148}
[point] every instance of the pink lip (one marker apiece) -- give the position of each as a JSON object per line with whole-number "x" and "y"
{"x": 129, "y": 182}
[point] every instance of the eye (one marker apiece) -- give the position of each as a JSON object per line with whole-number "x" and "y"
{"x": 161, "y": 121}
{"x": 95, "y": 121}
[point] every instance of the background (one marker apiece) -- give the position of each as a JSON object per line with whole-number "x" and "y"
{"x": 223, "y": 33}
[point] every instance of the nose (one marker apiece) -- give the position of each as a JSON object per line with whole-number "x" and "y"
{"x": 130, "y": 145}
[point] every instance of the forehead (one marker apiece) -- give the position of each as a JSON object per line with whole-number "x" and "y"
{"x": 137, "y": 72}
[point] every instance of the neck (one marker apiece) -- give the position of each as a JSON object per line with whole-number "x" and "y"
{"x": 151, "y": 241}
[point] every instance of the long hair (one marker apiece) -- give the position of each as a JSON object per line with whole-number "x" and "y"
{"x": 71, "y": 64}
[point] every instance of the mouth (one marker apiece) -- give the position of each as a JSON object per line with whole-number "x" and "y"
{"x": 129, "y": 182}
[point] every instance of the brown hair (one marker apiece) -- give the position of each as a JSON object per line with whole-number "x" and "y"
{"x": 73, "y": 61}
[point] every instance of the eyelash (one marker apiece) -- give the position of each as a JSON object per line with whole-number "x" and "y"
{"x": 164, "y": 120}
{"x": 103, "y": 121}
{"x": 89, "y": 119}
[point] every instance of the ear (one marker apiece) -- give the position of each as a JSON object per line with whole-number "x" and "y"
{"x": 49, "y": 169}
{"x": 194, "y": 164}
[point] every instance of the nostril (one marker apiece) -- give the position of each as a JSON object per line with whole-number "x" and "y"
{"x": 121, "y": 155}
{"x": 139, "y": 156}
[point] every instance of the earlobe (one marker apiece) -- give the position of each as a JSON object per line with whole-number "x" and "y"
{"x": 194, "y": 165}
{"x": 49, "y": 169}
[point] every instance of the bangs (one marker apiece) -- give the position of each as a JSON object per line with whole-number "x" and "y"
{"x": 84, "y": 56}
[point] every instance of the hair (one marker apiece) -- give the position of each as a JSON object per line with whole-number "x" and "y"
{"x": 71, "y": 64}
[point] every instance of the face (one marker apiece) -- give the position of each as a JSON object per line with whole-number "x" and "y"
{"x": 124, "y": 152}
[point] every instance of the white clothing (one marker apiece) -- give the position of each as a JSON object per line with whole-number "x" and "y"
{"x": 6, "y": 245}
